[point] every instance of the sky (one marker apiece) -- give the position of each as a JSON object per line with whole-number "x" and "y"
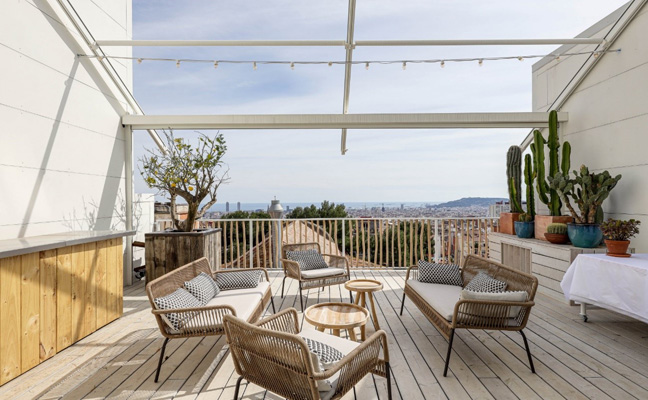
{"x": 380, "y": 165}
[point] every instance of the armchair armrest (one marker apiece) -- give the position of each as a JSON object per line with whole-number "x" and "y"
{"x": 283, "y": 321}
{"x": 336, "y": 261}
{"x": 291, "y": 268}
{"x": 413, "y": 272}
{"x": 229, "y": 271}
{"x": 490, "y": 314}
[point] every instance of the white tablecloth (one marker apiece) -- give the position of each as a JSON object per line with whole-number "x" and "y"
{"x": 618, "y": 284}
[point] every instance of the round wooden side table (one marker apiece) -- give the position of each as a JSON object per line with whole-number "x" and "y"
{"x": 365, "y": 289}
{"x": 336, "y": 316}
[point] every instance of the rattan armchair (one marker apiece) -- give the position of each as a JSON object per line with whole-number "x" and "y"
{"x": 292, "y": 270}
{"x": 271, "y": 354}
{"x": 205, "y": 320}
{"x": 480, "y": 314}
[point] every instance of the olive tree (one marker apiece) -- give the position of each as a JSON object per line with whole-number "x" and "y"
{"x": 192, "y": 172}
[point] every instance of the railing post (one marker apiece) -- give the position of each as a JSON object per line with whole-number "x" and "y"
{"x": 251, "y": 245}
{"x": 343, "y": 238}
{"x": 437, "y": 242}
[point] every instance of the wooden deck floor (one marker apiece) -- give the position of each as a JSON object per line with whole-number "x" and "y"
{"x": 606, "y": 358}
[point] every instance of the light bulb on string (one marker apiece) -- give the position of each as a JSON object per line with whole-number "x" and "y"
{"x": 215, "y": 64}
{"x": 100, "y": 58}
{"x": 254, "y": 65}
{"x": 367, "y": 66}
{"x": 481, "y": 62}
{"x": 404, "y": 65}
{"x": 139, "y": 60}
{"x": 330, "y": 64}
{"x": 177, "y": 63}
{"x": 596, "y": 54}
{"x": 442, "y": 64}
{"x": 292, "y": 65}
{"x": 520, "y": 58}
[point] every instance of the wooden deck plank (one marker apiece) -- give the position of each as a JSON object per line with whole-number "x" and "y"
{"x": 602, "y": 359}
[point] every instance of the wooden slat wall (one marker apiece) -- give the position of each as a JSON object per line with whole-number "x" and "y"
{"x": 51, "y": 299}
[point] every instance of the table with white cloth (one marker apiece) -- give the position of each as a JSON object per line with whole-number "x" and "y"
{"x": 617, "y": 284}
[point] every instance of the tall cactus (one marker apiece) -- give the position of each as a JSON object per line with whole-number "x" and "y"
{"x": 546, "y": 194}
{"x": 529, "y": 176}
{"x": 513, "y": 175}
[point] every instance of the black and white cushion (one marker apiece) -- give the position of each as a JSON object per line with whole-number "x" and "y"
{"x": 178, "y": 299}
{"x": 482, "y": 282}
{"x": 326, "y": 355}
{"x": 307, "y": 259}
{"x": 238, "y": 280}
{"x": 202, "y": 287}
{"x": 444, "y": 274}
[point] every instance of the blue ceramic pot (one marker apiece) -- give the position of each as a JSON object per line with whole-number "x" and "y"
{"x": 524, "y": 230}
{"x": 585, "y": 235}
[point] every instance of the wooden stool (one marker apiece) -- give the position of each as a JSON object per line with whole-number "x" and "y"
{"x": 336, "y": 316}
{"x": 365, "y": 288}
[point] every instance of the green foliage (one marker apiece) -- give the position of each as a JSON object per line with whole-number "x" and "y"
{"x": 326, "y": 210}
{"x": 525, "y": 217}
{"x": 557, "y": 228}
{"x": 192, "y": 172}
{"x": 614, "y": 229}
{"x": 529, "y": 176}
{"x": 546, "y": 194}
{"x": 587, "y": 190}
{"x": 246, "y": 215}
{"x": 513, "y": 173}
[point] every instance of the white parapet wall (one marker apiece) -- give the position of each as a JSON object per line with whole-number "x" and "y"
{"x": 608, "y": 114}
{"x": 62, "y": 145}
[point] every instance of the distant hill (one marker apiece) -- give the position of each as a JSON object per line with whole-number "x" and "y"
{"x": 471, "y": 202}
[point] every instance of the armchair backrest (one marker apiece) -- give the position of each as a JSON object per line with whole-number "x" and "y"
{"x": 299, "y": 247}
{"x": 277, "y": 361}
{"x": 516, "y": 280}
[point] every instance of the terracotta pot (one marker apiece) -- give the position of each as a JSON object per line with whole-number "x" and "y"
{"x": 507, "y": 222}
{"x": 543, "y": 221}
{"x": 556, "y": 238}
{"x": 617, "y": 247}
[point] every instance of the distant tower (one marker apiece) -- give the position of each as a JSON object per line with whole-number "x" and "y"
{"x": 238, "y": 206}
{"x": 402, "y": 206}
{"x": 383, "y": 207}
{"x": 227, "y": 206}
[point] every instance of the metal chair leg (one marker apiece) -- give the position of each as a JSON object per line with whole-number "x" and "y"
{"x": 157, "y": 374}
{"x": 238, "y": 386}
{"x": 283, "y": 282}
{"x": 354, "y": 394}
{"x": 389, "y": 388}
{"x": 301, "y": 297}
{"x": 274, "y": 310}
{"x": 445, "y": 370}
{"x": 351, "y": 296}
{"x": 402, "y": 304}
{"x": 526, "y": 344}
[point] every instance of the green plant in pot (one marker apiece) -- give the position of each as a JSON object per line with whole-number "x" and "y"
{"x": 618, "y": 234}
{"x": 514, "y": 182}
{"x": 557, "y": 233}
{"x": 524, "y": 226}
{"x": 588, "y": 190}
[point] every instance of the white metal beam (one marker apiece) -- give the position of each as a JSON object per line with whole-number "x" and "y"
{"x": 341, "y": 43}
{"x": 347, "y": 69}
{"x": 344, "y": 121}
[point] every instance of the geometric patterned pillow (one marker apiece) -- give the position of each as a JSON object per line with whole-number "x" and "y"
{"x": 482, "y": 282}
{"x": 307, "y": 259}
{"x": 202, "y": 287}
{"x": 326, "y": 354}
{"x": 238, "y": 280}
{"x": 445, "y": 274}
{"x": 178, "y": 299}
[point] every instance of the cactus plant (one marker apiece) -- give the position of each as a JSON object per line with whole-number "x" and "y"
{"x": 513, "y": 172}
{"x": 525, "y": 217}
{"x": 557, "y": 229}
{"x": 529, "y": 176}
{"x": 547, "y": 195}
{"x": 588, "y": 190}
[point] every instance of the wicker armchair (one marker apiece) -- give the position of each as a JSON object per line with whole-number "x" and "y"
{"x": 271, "y": 354}
{"x": 206, "y": 320}
{"x": 480, "y": 314}
{"x": 292, "y": 270}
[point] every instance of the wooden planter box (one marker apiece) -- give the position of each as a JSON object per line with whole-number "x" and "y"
{"x": 543, "y": 221}
{"x": 168, "y": 250}
{"x": 507, "y": 222}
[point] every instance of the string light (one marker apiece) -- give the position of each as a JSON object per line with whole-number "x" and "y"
{"x": 367, "y": 64}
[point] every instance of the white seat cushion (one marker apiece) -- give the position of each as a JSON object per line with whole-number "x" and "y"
{"x": 442, "y": 298}
{"x": 342, "y": 345}
{"x": 322, "y": 272}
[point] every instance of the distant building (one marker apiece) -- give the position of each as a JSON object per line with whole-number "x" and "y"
{"x": 238, "y": 206}
{"x": 402, "y": 206}
{"x": 227, "y": 206}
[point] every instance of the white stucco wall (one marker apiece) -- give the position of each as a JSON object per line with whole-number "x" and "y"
{"x": 608, "y": 117}
{"x": 61, "y": 142}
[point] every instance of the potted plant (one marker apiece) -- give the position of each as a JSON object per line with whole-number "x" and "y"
{"x": 617, "y": 235}
{"x": 524, "y": 226}
{"x": 192, "y": 172}
{"x": 588, "y": 191}
{"x": 547, "y": 195}
{"x": 557, "y": 233}
{"x": 513, "y": 172}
